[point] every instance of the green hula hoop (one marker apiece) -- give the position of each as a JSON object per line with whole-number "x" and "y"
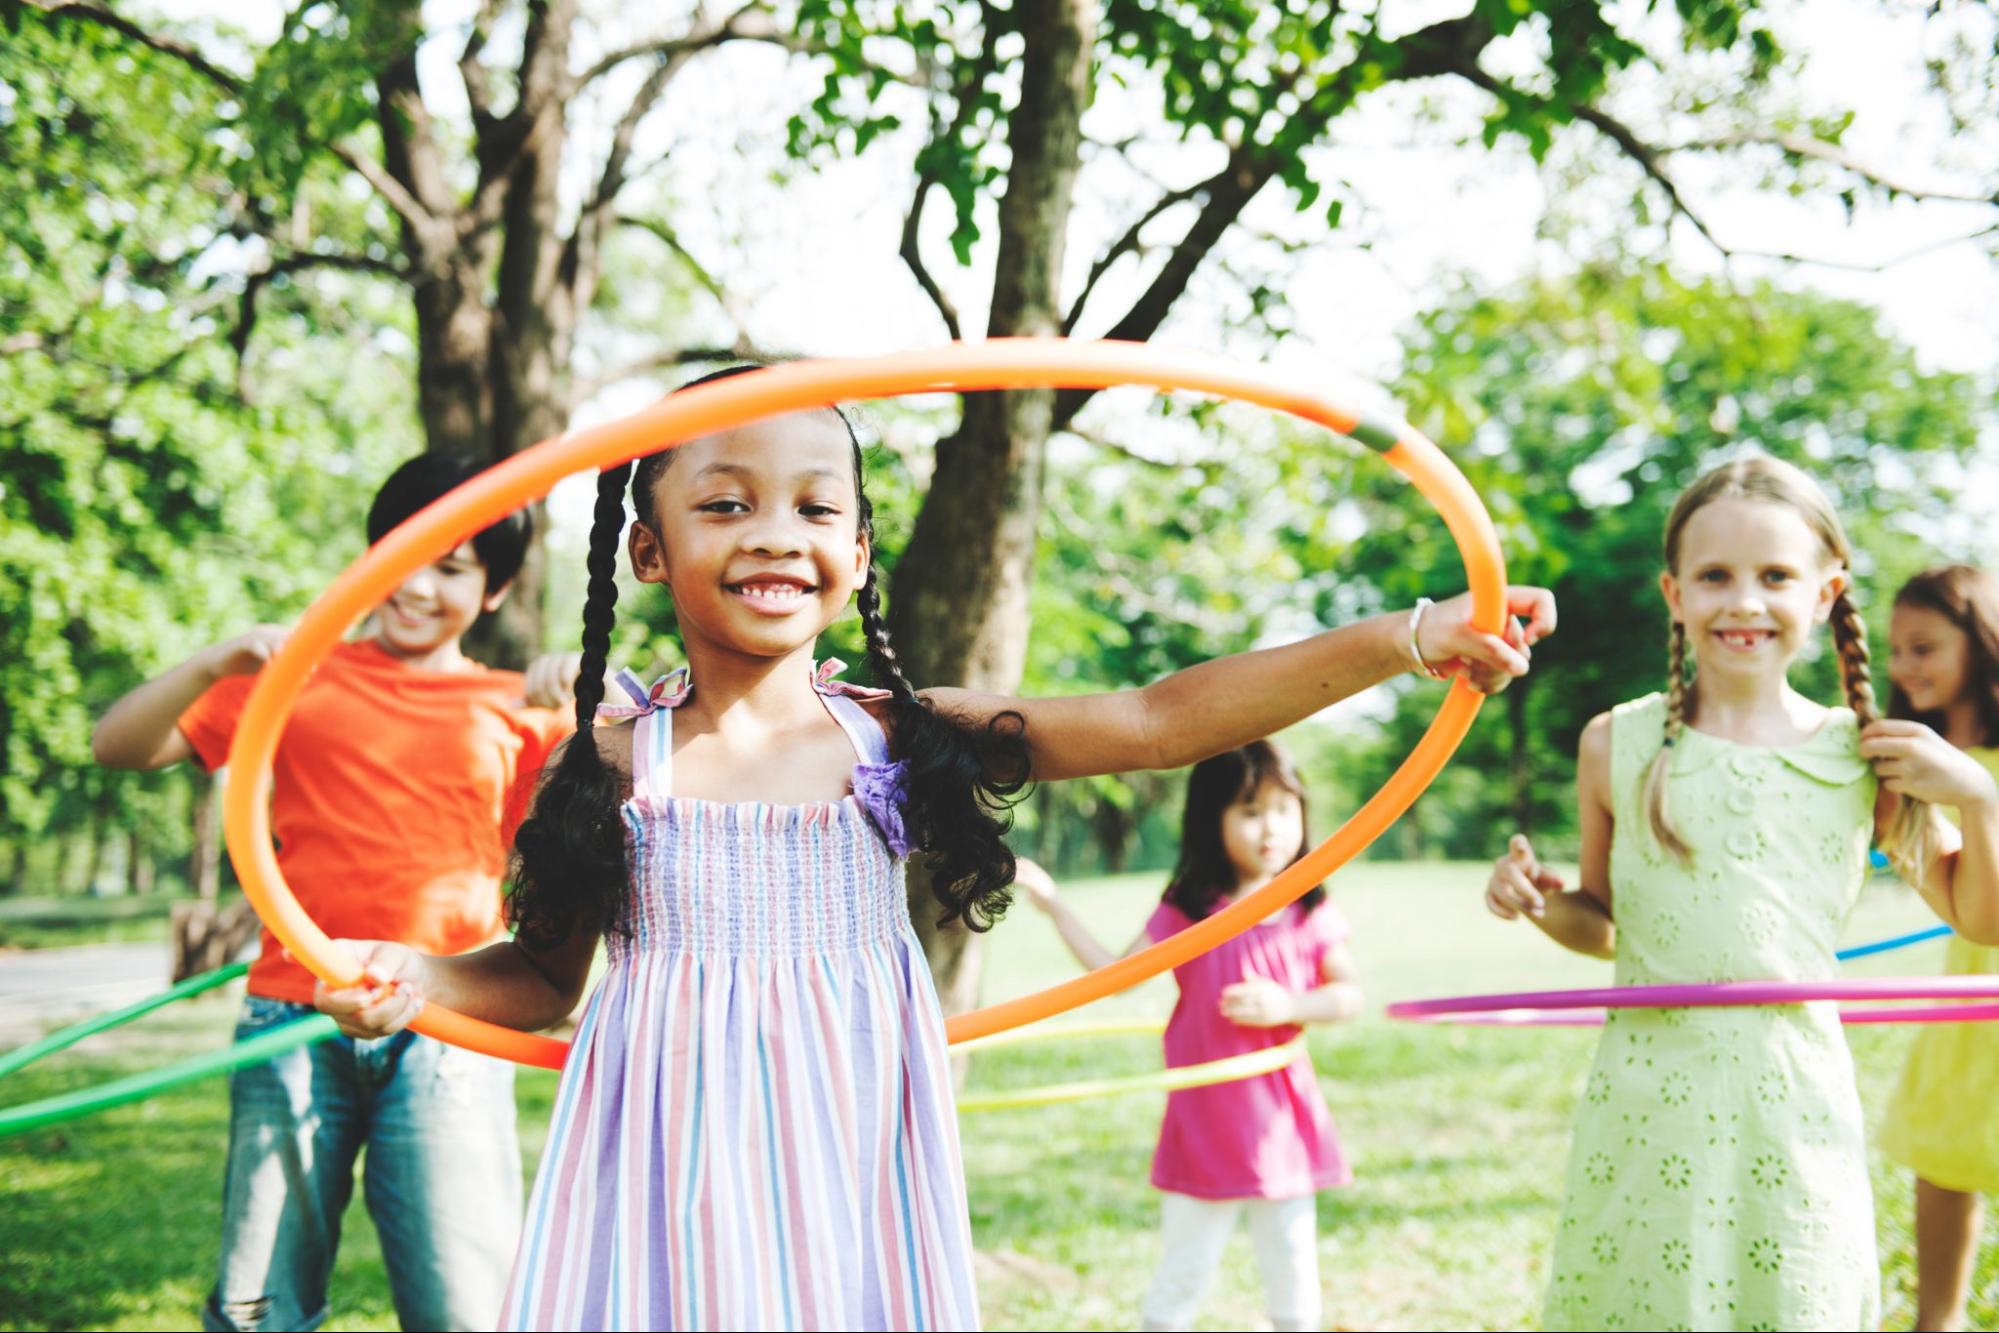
{"x": 70, "y": 1105}
{"x": 1250, "y": 1064}
{"x": 22, "y": 1056}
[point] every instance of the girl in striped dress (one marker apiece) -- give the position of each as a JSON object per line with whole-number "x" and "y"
{"x": 754, "y": 1129}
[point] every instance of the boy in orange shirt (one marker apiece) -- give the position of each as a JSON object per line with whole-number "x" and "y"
{"x": 395, "y": 791}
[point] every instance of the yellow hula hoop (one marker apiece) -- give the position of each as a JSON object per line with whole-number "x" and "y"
{"x": 1250, "y": 1064}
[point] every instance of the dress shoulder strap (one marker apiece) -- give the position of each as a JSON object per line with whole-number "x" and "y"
{"x": 870, "y": 742}
{"x": 652, "y": 757}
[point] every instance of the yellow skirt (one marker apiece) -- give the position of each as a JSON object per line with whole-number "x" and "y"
{"x": 1941, "y": 1123}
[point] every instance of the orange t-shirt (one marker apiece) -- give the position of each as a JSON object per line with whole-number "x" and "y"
{"x": 395, "y": 794}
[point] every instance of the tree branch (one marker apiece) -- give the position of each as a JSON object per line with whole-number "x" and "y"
{"x": 970, "y": 79}
{"x": 686, "y": 356}
{"x": 239, "y": 338}
{"x": 751, "y": 23}
{"x": 1645, "y": 155}
{"x": 1128, "y": 243}
{"x": 744, "y": 347}
{"x": 1440, "y": 48}
{"x": 1855, "y": 266}
{"x": 393, "y": 193}
{"x": 104, "y": 16}
{"x": 1806, "y": 146}
{"x": 912, "y": 258}
{"x": 475, "y": 76}
{"x": 1104, "y": 442}
{"x": 612, "y": 178}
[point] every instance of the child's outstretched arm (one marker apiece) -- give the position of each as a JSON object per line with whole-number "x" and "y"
{"x": 141, "y": 731}
{"x": 504, "y": 983}
{"x": 1579, "y": 918}
{"x": 1040, "y": 889}
{"x": 1961, "y": 884}
{"x": 1218, "y": 705}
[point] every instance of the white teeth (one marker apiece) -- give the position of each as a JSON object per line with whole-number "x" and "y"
{"x": 766, "y": 592}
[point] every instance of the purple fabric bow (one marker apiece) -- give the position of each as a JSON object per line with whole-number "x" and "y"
{"x": 883, "y": 790}
{"x": 669, "y": 691}
{"x": 823, "y": 680}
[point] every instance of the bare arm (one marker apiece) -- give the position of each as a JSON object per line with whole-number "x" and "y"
{"x": 504, "y": 983}
{"x": 1259, "y": 1002}
{"x": 1960, "y": 882}
{"x": 1339, "y": 998}
{"x": 141, "y": 730}
{"x": 1218, "y": 705}
{"x": 1089, "y": 951}
{"x": 1578, "y": 919}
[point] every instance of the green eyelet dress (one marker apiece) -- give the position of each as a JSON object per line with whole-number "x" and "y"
{"x": 1718, "y": 1178}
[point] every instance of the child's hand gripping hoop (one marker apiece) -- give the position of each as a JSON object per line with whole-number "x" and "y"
{"x": 1012, "y": 363}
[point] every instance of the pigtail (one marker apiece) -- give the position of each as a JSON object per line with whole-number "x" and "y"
{"x": 1653, "y": 793}
{"x": 1912, "y": 837}
{"x": 569, "y": 854}
{"x": 961, "y": 783}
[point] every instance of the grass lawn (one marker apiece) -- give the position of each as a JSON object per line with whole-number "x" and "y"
{"x": 58, "y": 923}
{"x": 1457, "y": 1137}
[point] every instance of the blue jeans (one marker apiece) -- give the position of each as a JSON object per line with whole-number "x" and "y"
{"x": 442, "y": 1177}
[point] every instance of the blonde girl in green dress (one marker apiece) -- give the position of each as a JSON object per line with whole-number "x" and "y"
{"x": 1718, "y": 1177}
{"x": 1943, "y": 660}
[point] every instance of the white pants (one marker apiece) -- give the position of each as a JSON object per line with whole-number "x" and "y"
{"x": 1193, "y": 1232}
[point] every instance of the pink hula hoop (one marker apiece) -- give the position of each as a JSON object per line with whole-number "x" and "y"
{"x": 1586, "y": 1008}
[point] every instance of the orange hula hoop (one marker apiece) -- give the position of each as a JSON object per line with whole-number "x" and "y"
{"x": 1014, "y": 363}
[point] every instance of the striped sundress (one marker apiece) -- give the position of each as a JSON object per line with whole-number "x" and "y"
{"x": 755, "y": 1128}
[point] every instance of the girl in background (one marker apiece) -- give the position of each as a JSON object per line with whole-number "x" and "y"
{"x": 1943, "y": 661}
{"x": 1260, "y": 1146}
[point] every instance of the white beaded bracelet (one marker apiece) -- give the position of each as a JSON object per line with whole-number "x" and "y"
{"x": 1415, "y": 649}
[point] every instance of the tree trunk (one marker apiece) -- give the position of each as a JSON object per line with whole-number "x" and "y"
{"x": 141, "y": 874}
{"x": 959, "y": 604}
{"x": 1520, "y": 771}
{"x": 204, "y": 856}
{"x": 1113, "y": 826}
{"x": 206, "y": 936}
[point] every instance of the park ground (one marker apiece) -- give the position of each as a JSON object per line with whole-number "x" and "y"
{"x": 1457, "y": 1138}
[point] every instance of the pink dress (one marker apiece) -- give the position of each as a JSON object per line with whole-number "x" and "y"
{"x": 1269, "y": 1137}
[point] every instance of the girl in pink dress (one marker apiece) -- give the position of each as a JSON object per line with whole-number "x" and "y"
{"x": 1262, "y": 1146}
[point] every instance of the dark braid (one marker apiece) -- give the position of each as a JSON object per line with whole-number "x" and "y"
{"x": 569, "y": 855}
{"x": 962, "y": 781}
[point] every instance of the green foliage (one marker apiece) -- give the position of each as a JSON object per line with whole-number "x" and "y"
{"x": 1268, "y": 81}
{"x": 1579, "y": 408}
{"x": 148, "y": 507}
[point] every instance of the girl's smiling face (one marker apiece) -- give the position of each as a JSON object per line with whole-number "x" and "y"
{"x": 1929, "y": 658}
{"x": 1751, "y": 582}
{"x": 756, "y": 532}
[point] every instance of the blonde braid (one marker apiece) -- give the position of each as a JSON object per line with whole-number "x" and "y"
{"x": 1653, "y": 793}
{"x": 1912, "y": 837}
{"x": 1856, "y": 670}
